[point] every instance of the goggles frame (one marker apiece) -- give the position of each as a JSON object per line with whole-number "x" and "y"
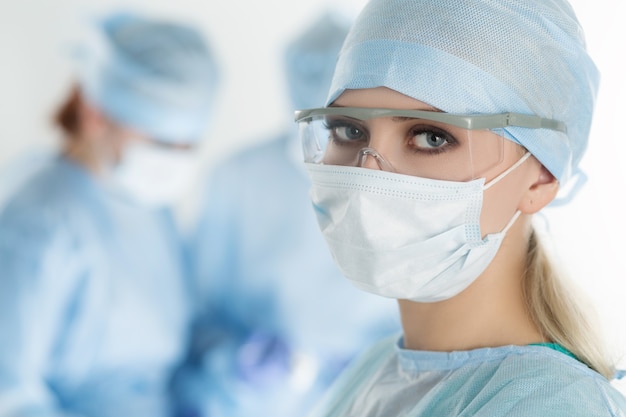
{"x": 464, "y": 121}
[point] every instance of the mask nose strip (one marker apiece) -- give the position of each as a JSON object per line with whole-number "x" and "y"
{"x": 380, "y": 161}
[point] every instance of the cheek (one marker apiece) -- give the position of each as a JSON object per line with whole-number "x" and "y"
{"x": 502, "y": 199}
{"x": 500, "y": 203}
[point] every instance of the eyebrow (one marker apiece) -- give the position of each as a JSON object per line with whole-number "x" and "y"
{"x": 397, "y": 119}
{"x": 401, "y": 119}
{"x": 427, "y": 108}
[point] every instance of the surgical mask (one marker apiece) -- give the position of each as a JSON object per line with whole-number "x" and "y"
{"x": 153, "y": 175}
{"x": 401, "y": 236}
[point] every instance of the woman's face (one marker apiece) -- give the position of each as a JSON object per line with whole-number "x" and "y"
{"x": 490, "y": 155}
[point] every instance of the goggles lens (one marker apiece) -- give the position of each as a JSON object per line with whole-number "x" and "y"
{"x": 408, "y": 145}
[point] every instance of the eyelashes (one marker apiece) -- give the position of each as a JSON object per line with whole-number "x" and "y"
{"x": 420, "y": 137}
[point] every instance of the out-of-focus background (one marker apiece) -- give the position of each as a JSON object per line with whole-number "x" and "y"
{"x": 249, "y": 37}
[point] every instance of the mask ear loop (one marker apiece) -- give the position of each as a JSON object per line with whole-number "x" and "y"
{"x": 510, "y": 223}
{"x": 507, "y": 171}
{"x": 498, "y": 178}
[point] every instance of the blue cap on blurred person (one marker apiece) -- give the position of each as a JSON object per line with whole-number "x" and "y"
{"x": 156, "y": 76}
{"x": 311, "y": 57}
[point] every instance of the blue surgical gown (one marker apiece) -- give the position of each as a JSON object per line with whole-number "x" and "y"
{"x": 93, "y": 303}
{"x": 262, "y": 265}
{"x": 388, "y": 380}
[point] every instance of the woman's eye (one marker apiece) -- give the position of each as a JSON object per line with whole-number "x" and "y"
{"x": 431, "y": 140}
{"x": 346, "y": 133}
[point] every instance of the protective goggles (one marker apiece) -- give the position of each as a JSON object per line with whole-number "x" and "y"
{"x": 426, "y": 144}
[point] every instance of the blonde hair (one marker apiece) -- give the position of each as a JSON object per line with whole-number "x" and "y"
{"x": 558, "y": 312}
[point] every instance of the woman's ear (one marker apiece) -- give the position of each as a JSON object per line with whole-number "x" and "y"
{"x": 540, "y": 193}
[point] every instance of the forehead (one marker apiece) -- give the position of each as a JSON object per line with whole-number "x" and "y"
{"x": 380, "y": 97}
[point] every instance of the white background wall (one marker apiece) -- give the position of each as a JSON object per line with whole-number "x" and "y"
{"x": 249, "y": 36}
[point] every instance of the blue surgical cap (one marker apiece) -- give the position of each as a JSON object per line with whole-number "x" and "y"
{"x": 158, "y": 77}
{"x": 481, "y": 56}
{"x": 310, "y": 60}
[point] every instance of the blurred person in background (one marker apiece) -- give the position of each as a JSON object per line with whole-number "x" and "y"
{"x": 93, "y": 298}
{"x": 276, "y": 320}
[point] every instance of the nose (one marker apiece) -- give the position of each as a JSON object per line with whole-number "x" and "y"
{"x": 371, "y": 159}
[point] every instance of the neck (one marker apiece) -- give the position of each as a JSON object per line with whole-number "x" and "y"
{"x": 490, "y": 312}
{"x": 83, "y": 152}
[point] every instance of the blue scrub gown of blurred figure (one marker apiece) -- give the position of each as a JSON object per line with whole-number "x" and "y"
{"x": 93, "y": 303}
{"x": 282, "y": 320}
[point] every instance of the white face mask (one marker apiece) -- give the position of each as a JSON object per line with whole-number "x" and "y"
{"x": 152, "y": 175}
{"x": 404, "y": 237}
